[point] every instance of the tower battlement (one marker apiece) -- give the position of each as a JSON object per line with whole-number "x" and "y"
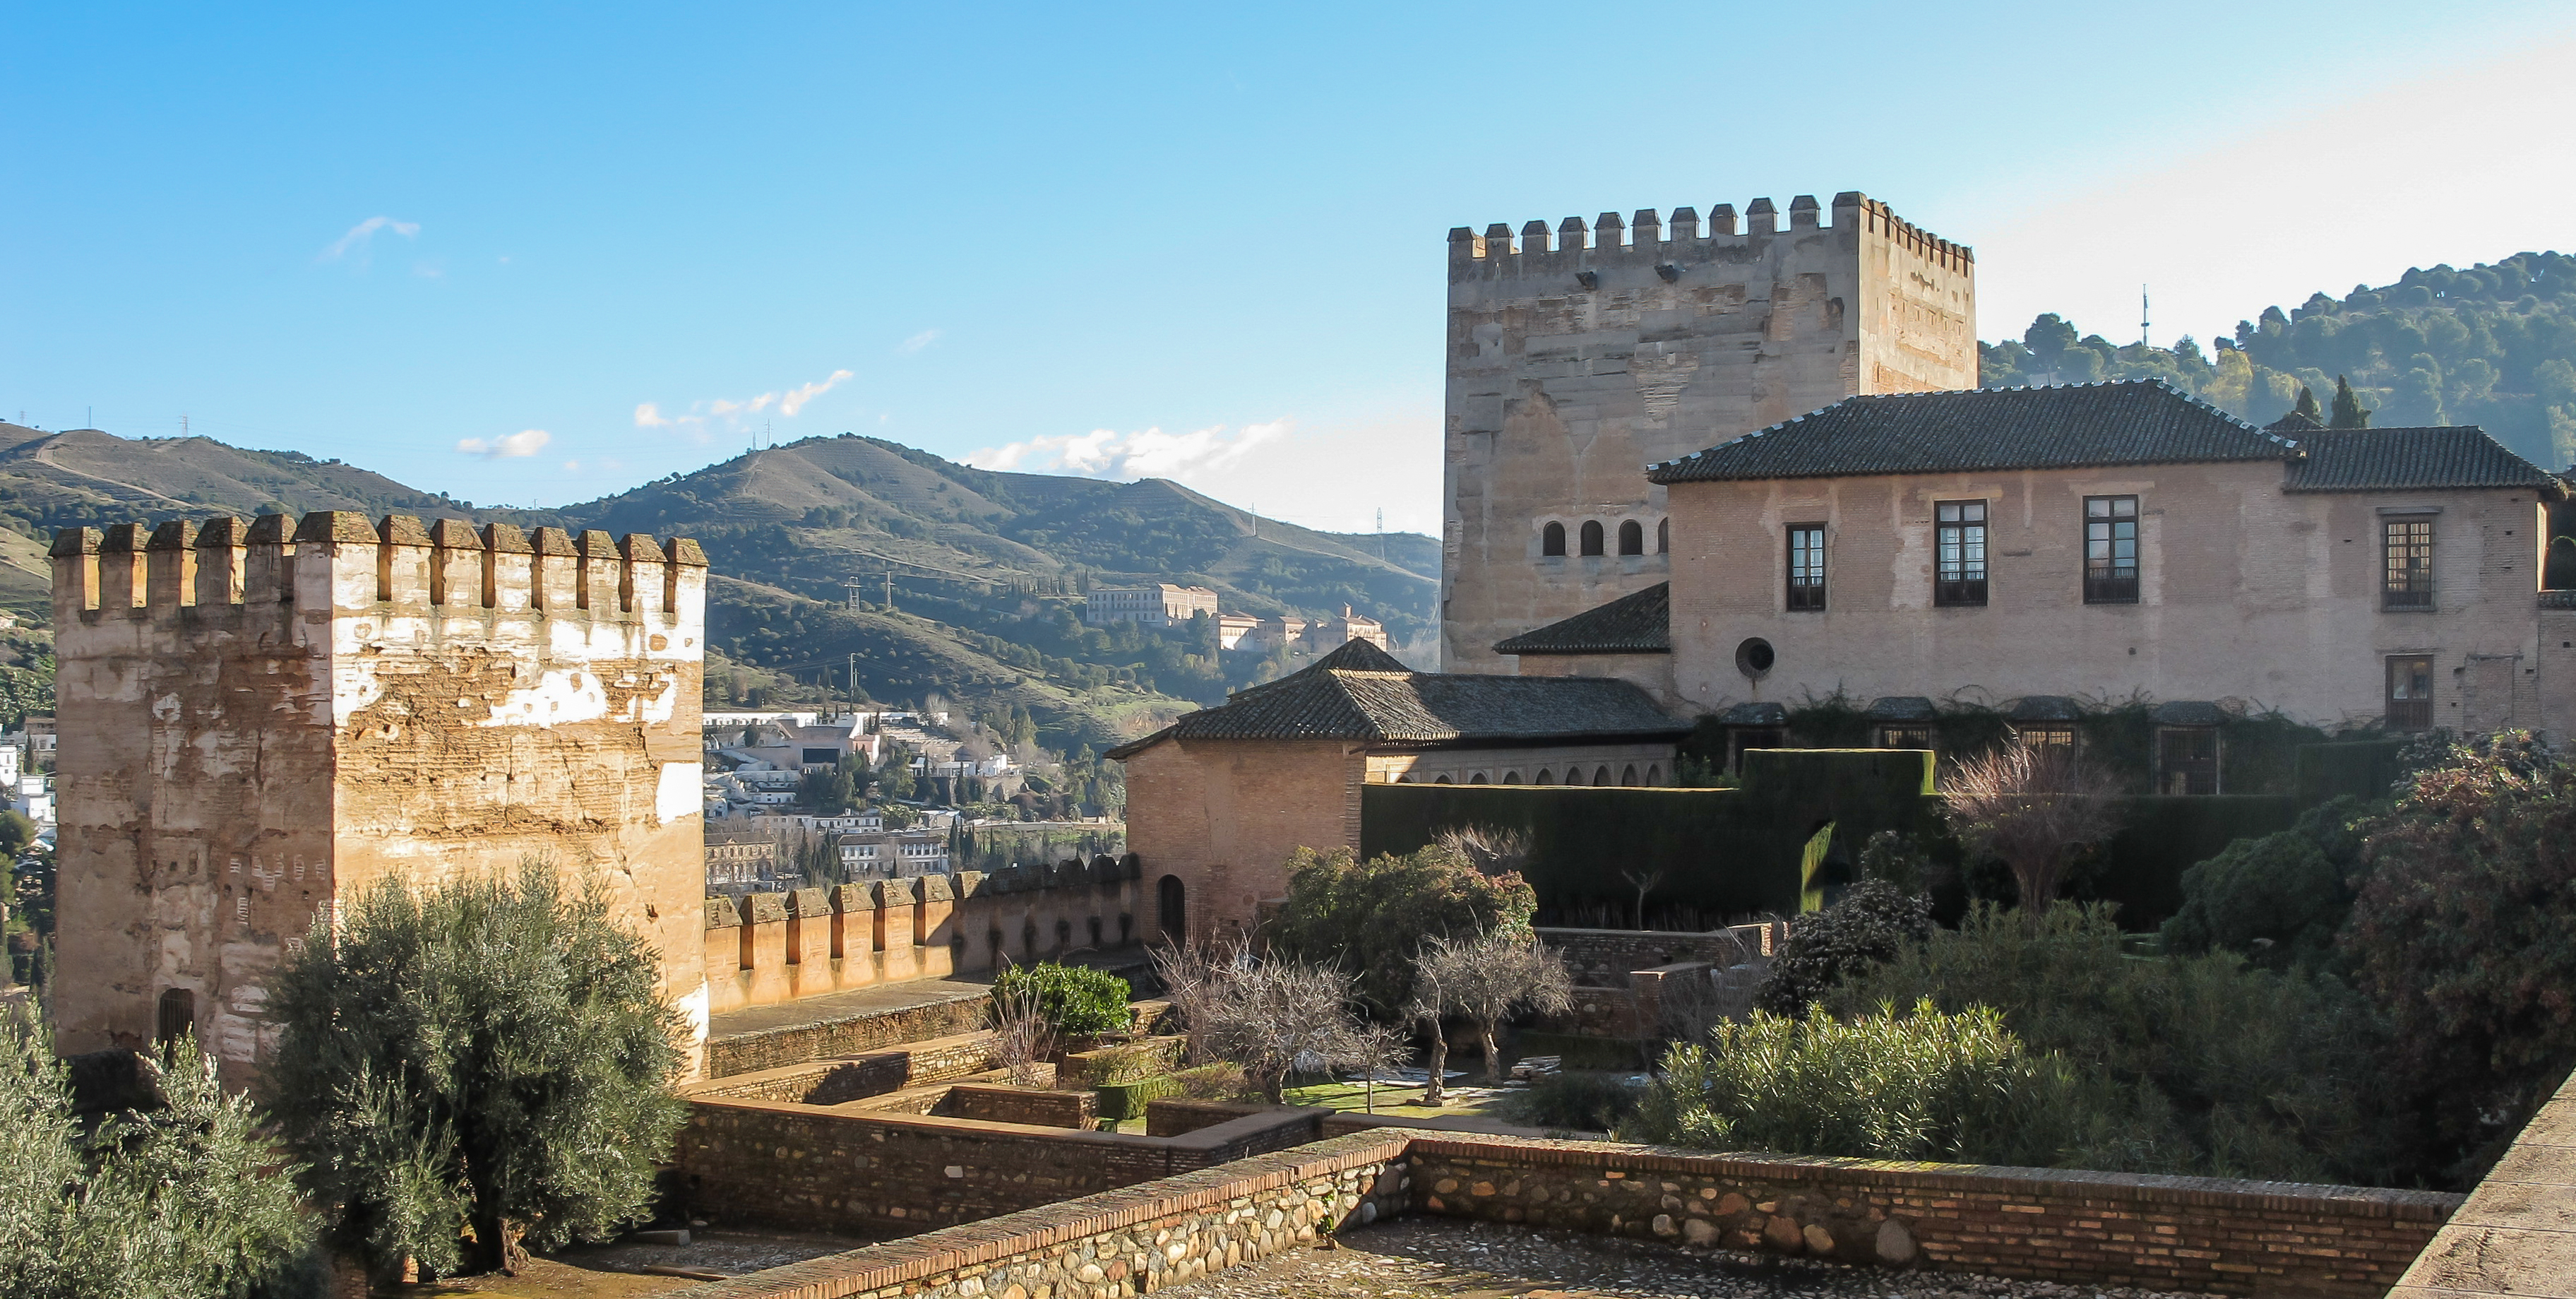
{"x": 1647, "y": 237}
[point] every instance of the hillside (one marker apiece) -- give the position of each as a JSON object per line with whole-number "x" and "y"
{"x": 2493, "y": 345}
{"x": 985, "y": 567}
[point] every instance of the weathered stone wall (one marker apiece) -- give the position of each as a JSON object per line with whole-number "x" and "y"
{"x": 2245, "y": 593}
{"x": 791, "y": 1044}
{"x": 1579, "y": 355}
{"x": 1025, "y": 1106}
{"x": 770, "y": 948}
{"x": 1223, "y": 816}
{"x": 2077, "y": 1228}
{"x": 846, "y": 1078}
{"x": 1171, "y": 1231}
{"x": 260, "y": 720}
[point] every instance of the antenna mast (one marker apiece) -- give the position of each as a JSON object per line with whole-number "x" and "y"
{"x": 2142, "y": 317}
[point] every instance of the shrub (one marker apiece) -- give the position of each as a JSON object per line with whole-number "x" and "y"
{"x": 2277, "y": 899}
{"x": 1925, "y": 1085}
{"x": 2262, "y": 1074}
{"x": 2464, "y": 932}
{"x": 1871, "y": 924}
{"x": 2033, "y": 807}
{"x": 1126, "y": 1100}
{"x": 1134, "y": 1062}
{"x": 1372, "y": 917}
{"x": 1222, "y": 1081}
{"x": 1074, "y": 998}
{"x": 1578, "y": 1102}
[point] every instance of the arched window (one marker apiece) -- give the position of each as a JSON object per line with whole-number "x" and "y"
{"x": 1404, "y": 779}
{"x": 1654, "y": 774}
{"x": 1592, "y": 536}
{"x": 1441, "y": 781}
{"x": 1477, "y": 779}
{"x": 1551, "y": 540}
{"x": 1545, "y": 777}
{"x": 1171, "y": 907}
{"x": 1511, "y": 777}
{"x": 1601, "y": 778}
{"x": 1629, "y": 775}
{"x": 1632, "y": 538}
{"x": 1664, "y": 537}
{"x": 177, "y": 1015}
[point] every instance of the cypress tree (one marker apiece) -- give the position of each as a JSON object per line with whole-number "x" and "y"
{"x": 2307, "y": 407}
{"x": 2348, "y": 410}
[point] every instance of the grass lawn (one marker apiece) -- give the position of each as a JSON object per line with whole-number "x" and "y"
{"x": 1405, "y": 1100}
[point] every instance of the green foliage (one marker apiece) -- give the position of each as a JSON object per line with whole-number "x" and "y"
{"x": 2227, "y": 1071}
{"x": 2465, "y": 934}
{"x": 1871, "y": 925}
{"x": 16, "y": 832}
{"x": 1926, "y": 1085}
{"x": 831, "y": 793}
{"x": 1127, "y": 1100}
{"x": 2349, "y": 412}
{"x": 25, "y": 690}
{"x": 182, "y": 1201}
{"x": 1372, "y": 917}
{"x": 1074, "y": 998}
{"x": 1578, "y": 1102}
{"x": 1899, "y": 861}
{"x": 491, "y": 1055}
{"x": 2276, "y": 899}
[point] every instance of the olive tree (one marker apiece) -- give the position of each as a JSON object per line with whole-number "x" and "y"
{"x": 1486, "y": 980}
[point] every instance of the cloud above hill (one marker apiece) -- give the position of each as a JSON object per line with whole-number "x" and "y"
{"x": 1149, "y": 453}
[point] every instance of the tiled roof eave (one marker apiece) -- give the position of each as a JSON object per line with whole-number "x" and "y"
{"x": 2538, "y": 484}
{"x": 2004, "y": 467}
{"x": 1524, "y": 651}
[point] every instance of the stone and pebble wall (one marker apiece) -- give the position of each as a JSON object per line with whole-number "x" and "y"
{"x": 790, "y": 1044}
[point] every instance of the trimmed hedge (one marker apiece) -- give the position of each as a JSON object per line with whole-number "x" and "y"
{"x": 1127, "y": 1100}
{"x": 2364, "y": 769}
{"x": 2161, "y": 836}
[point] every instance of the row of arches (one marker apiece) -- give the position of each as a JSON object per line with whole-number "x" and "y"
{"x": 1573, "y": 775}
{"x": 1592, "y": 536}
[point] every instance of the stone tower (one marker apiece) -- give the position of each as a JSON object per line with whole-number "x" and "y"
{"x": 261, "y": 719}
{"x": 1578, "y": 356}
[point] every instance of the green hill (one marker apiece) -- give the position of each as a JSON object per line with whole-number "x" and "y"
{"x": 2492, "y": 345}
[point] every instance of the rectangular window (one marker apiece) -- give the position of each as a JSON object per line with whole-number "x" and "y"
{"x": 2187, "y": 760}
{"x": 1806, "y": 566}
{"x": 1959, "y": 552}
{"x": 2407, "y": 548}
{"x": 1905, "y": 737}
{"x": 2410, "y": 692}
{"x": 2110, "y": 550}
{"x": 2044, "y": 737}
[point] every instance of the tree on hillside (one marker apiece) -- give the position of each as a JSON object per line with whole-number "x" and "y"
{"x": 2464, "y": 932}
{"x": 2348, "y": 410}
{"x": 2032, "y": 807}
{"x": 1372, "y": 917}
{"x": 180, "y": 1198}
{"x": 485, "y": 1057}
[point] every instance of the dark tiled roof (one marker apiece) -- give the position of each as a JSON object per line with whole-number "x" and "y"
{"x": 1901, "y": 708}
{"x": 2401, "y": 459}
{"x": 1631, "y": 624}
{"x": 2045, "y": 708}
{"x": 2188, "y": 712}
{"x": 2144, "y": 421}
{"x": 1361, "y": 693}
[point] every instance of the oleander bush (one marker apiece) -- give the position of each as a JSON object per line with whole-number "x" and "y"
{"x": 1073, "y": 998}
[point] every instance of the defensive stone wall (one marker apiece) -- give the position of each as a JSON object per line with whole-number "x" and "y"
{"x": 261, "y": 718}
{"x": 770, "y": 948}
{"x": 836, "y": 1036}
{"x": 2074, "y": 1228}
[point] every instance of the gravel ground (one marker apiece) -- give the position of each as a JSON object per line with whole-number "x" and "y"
{"x": 1418, "y": 1259}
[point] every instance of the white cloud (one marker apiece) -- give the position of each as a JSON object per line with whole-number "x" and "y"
{"x": 363, "y": 234}
{"x": 1152, "y": 453}
{"x": 790, "y": 402}
{"x": 526, "y": 442}
{"x": 917, "y": 342}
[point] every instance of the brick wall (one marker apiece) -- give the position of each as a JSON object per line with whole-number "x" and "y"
{"x": 1164, "y": 1233}
{"x": 740, "y": 1053}
{"x": 1021, "y": 1105}
{"x": 2165, "y": 1233}
{"x": 1222, "y": 817}
{"x": 873, "y": 1073}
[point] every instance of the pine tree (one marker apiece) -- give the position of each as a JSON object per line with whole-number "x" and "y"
{"x": 484, "y": 1056}
{"x": 2348, "y": 410}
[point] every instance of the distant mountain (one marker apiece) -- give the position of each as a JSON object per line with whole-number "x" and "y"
{"x": 986, "y": 568}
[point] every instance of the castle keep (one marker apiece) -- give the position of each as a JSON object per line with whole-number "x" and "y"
{"x": 261, "y": 719}
{"x": 1579, "y": 355}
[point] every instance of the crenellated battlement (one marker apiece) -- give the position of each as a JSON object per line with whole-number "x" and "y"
{"x": 341, "y": 560}
{"x": 1650, "y": 238}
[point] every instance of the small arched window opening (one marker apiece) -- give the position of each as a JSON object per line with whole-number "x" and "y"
{"x": 1664, "y": 537}
{"x": 1601, "y": 778}
{"x": 1628, "y": 776}
{"x": 1551, "y": 540}
{"x": 1478, "y": 779}
{"x": 1441, "y": 781}
{"x": 1654, "y": 774}
{"x": 1404, "y": 780}
{"x": 176, "y": 1017}
{"x": 1171, "y": 908}
{"x": 1632, "y": 538}
{"x": 1545, "y": 777}
{"x": 1592, "y": 536}
{"x": 1511, "y": 777}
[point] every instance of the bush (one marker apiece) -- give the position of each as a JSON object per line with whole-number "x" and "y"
{"x": 1074, "y": 998}
{"x": 1131, "y": 1063}
{"x": 1222, "y": 1081}
{"x": 1871, "y": 924}
{"x": 1126, "y": 1100}
{"x": 1371, "y": 917}
{"x": 2464, "y": 932}
{"x": 2278, "y": 899}
{"x": 1925, "y": 1085}
{"x": 1577, "y": 1102}
{"x": 2228, "y": 1071}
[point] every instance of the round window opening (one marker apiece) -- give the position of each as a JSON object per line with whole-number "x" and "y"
{"x": 1753, "y": 658}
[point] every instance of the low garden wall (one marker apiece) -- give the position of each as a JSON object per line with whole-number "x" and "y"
{"x": 790, "y": 1044}
{"x": 2074, "y": 1228}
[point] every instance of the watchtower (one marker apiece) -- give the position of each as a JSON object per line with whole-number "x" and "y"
{"x": 260, "y": 719}
{"x": 1577, "y": 356}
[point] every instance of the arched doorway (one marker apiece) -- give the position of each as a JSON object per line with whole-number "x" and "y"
{"x": 1601, "y": 778}
{"x": 1171, "y": 908}
{"x": 1628, "y": 776}
{"x": 1511, "y": 777}
{"x": 1546, "y": 777}
{"x": 1477, "y": 779}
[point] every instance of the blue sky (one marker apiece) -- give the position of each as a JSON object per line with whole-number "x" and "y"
{"x": 536, "y": 254}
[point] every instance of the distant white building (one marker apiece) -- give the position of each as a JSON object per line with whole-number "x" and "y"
{"x": 1159, "y": 605}
{"x": 901, "y": 854}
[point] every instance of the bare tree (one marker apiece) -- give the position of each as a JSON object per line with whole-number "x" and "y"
{"x": 1022, "y": 1037}
{"x": 1189, "y": 973}
{"x": 1272, "y": 1017}
{"x": 1492, "y": 851}
{"x": 2033, "y": 807}
{"x": 1489, "y": 979}
{"x": 1644, "y": 881}
{"x": 1433, "y": 1002}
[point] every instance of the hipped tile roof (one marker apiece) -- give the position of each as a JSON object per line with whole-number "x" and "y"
{"x": 1632, "y": 624}
{"x": 2397, "y": 459}
{"x": 1361, "y": 693}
